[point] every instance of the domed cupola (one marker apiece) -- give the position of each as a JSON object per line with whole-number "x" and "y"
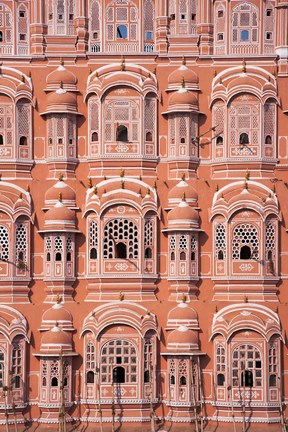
{"x": 183, "y": 216}
{"x": 61, "y": 101}
{"x": 60, "y": 218}
{"x": 183, "y": 73}
{"x": 182, "y": 315}
{"x": 175, "y": 195}
{"x": 67, "y": 193}
{"x": 61, "y": 75}
{"x": 57, "y": 313}
{"x": 56, "y": 341}
{"x": 183, "y": 341}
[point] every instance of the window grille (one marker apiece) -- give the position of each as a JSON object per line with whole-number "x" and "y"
{"x": 246, "y": 358}
{"x": 120, "y": 230}
{"x": 4, "y": 243}
{"x": 270, "y": 240}
{"x": 220, "y": 241}
{"x": 21, "y": 242}
{"x": 122, "y": 353}
{"x": 245, "y": 235}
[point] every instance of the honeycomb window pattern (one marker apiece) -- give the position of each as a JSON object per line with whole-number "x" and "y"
{"x": 21, "y": 242}
{"x": 245, "y": 235}
{"x": 124, "y": 231}
{"x": 4, "y": 244}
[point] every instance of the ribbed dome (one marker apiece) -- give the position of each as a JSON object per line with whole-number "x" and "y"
{"x": 61, "y": 75}
{"x": 59, "y": 218}
{"x": 183, "y": 97}
{"x": 176, "y": 193}
{"x": 182, "y": 312}
{"x": 183, "y": 73}
{"x": 57, "y": 314}
{"x": 183, "y": 212}
{"x": 60, "y": 213}
{"x": 56, "y": 336}
{"x": 183, "y": 338}
{"x": 61, "y": 100}
{"x": 67, "y": 194}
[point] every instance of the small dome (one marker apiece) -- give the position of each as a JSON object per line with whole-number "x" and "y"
{"x": 183, "y": 97}
{"x": 176, "y": 193}
{"x": 56, "y": 336}
{"x": 246, "y": 195}
{"x": 57, "y": 314}
{"x": 61, "y": 100}
{"x": 59, "y": 218}
{"x": 183, "y": 212}
{"x": 182, "y": 312}
{"x": 61, "y": 75}
{"x": 183, "y": 73}
{"x": 182, "y": 336}
{"x": 67, "y": 193}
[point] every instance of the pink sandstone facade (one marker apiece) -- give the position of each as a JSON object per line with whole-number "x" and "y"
{"x": 143, "y": 214}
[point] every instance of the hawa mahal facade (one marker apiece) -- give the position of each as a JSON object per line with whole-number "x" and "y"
{"x": 143, "y": 213}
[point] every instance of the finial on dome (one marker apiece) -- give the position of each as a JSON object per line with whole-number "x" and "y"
{"x": 217, "y": 188}
{"x": 58, "y": 299}
{"x": 96, "y": 74}
{"x": 20, "y": 196}
{"x": 184, "y": 197}
{"x": 183, "y": 82}
{"x": 56, "y": 324}
{"x": 89, "y": 181}
{"x": 274, "y": 188}
{"x": 61, "y": 61}
{"x": 61, "y": 85}
{"x": 90, "y": 71}
{"x": 155, "y": 71}
{"x": 121, "y": 296}
{"x": 183, "y": 60}
{"x": 60, "y": 177}
{"x": 245, "y": 185}
{"x": 28, "y": 188}
{"x": 29, "y": 74}
{"x": 216, "y": 309}
{"x": 183, "y": 298}
{"x": 183, "y": 177}
{"x": 140, "y": 177}
{"x": 95, "y": 190}
{"x": 104, "y": 191}
{"x": 148, "y": 191}
{"x": 245, "y": 299}
{"x": 149, "y": 75}
{"x": 122, "y": 184}
{"x": 60, "y": 197}
{"x": 155, "y": 184}
{"x": 22, "y": 78}
{"x": 122, "y": 172}
{"x": 215, "y": 73}
{"x": 247, "y": 175}
{"x": 244, "y": 66}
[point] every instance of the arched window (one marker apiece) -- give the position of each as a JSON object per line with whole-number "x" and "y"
{"x": 245, "y": 253}
{"x": 58, "y": 256}
{"x": 4, "y": 243}
{"x": 68, "y": 257}
{"x": 183, "y": 247}
{"x": 146, "y": 376}
{"x": 220, "y": 379}
{"x": 94, "y": 26}
{"x": 172, "y": 256}
{"x": 90, "y": 377}
{"x": 121, "y": 250}
{"x": 93, "y": 253}
{"x": 220, "y": 255}
{"x": 219, "y": 140}
{"x": 148, "y": 136}
{"x": 268, "y": 139}
{"x": 48, "y": 257}
{"x": 148, "y": 252}
{"x": 272, "y": 380}
{"x": 243, "y": 138}
{"x": 94, "y": 136}
{"x": 183, "y": 380}
{"x": 1, "y": 140}
{"x": 119, "y": 375}
{"x": 247, "y": 378}
{"x": 172, "y": 379}
{"x": 220, "y": 241}
{"x": 122, "y": 133}
{"x": 54, "y": 382}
